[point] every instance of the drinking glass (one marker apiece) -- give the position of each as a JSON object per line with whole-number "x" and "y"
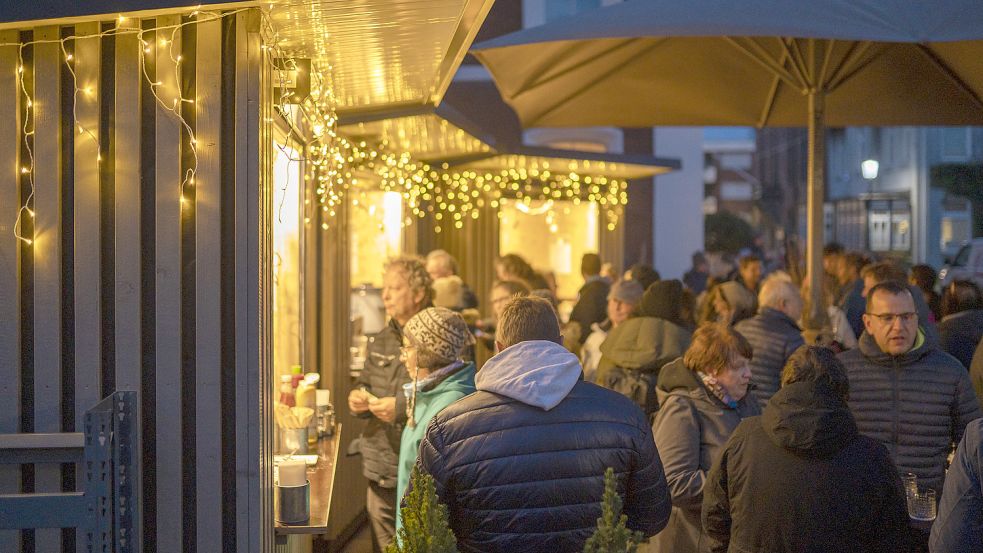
{"x": 922, "y": 505}
{"x": 910, "y": 484}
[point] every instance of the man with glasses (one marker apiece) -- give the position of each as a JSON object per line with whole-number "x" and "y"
{"x": 904, "y": 391}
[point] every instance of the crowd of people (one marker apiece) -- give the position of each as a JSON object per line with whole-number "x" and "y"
{"x": 726, "y": 430}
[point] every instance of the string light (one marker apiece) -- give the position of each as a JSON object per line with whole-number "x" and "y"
{"x": 335, "y": 165}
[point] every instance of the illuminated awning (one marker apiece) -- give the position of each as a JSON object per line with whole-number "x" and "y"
{"x": 382, "y": 54}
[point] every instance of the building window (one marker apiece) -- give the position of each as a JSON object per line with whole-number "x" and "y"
{"x": 736, "y": 191}
{"x": 956, "y": 144}
{"x": 557, "y": 9}
{"x": 735, "y": 162}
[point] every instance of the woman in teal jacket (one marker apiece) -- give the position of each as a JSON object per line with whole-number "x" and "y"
{"x": 434, "y": 341}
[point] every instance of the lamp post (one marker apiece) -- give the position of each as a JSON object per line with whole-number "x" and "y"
{"x": 868, "y": 168}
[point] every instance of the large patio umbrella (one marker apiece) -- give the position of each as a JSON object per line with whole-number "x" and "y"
{"x": 752, "y": 62}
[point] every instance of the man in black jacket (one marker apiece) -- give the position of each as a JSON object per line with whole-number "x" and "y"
{"x": 800, "y": 478}
{"x": 904, "y": 391}
{"x": 592, "y": 302}
{"x": 520, "y": 463}
{"x": 378, "y": 396}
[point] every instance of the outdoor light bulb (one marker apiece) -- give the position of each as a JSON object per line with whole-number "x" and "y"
{"x": 24, "y": 170}
{"x": 869, "y": 169}
{"x": 68, "y": 57}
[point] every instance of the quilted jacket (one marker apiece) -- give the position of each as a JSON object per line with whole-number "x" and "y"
{"x": 773, "y": 336}
{"x": 917, "y": 404}
{"x": 520, "y": 463}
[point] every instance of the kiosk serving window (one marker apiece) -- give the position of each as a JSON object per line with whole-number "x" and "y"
{"x": 552, "y": 235}
{"x": 288, "y": 288}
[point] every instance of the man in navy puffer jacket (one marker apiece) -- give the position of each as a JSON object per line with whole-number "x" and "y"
{"x": 520, "y": 463}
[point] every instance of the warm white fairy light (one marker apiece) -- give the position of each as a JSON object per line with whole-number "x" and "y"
{"x": 28, "y": 170}
{"x": 332, "y": 161}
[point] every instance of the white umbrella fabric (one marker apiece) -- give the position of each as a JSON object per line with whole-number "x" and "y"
{"x": 755, "y": 62}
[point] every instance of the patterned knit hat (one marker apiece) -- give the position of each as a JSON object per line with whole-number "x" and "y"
{"x": 440, "y": 336}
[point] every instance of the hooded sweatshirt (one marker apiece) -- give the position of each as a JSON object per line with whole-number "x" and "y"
{"x": 520, "y": 463}
{"x": 800, "y": 478}
{"x": 537, "y": 373}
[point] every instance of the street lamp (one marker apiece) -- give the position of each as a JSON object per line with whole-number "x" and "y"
{"x": 869, "y": 169}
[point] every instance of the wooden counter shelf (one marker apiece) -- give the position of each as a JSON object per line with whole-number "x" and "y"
{"x": 321, "y": 477}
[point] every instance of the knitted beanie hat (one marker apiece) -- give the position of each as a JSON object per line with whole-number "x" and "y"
{"x": 440, "y": 336}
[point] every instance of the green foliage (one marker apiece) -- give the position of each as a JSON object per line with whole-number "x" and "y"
{"x": 966, "y": 180}
{"x": 425, "y": 528}
{"x": 612, "y": 536}
{"x": 726, "y": 232}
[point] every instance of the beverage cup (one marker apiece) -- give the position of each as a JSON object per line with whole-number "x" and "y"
{"x": 921, "y": 506}
{"x": 293, "y": 440}
{"x": 910, "y": 485}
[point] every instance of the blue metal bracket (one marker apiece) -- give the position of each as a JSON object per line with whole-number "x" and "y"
{"x": 106, "y": 512}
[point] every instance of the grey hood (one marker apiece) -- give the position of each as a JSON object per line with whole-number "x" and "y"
{"x": 538, "y": 373}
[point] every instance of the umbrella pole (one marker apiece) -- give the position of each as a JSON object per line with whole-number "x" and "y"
{"x": 815, "y": 318}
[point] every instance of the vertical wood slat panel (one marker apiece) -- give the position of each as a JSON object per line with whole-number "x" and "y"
{"x": 208, "y": 309}
{"x": 127, "y": 212}
{"x": 168, "y": 299}
{"x": 9, "y": 267}
{"x": 262, "y": 226}
{"x": 47, "y": 260}
{"x": 88, "y": 311}
{"x": 254, "y": 478}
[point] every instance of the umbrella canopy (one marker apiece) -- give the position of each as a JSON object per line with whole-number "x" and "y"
{"x": 720, "y": 62}
{"x": 808, "y": 63}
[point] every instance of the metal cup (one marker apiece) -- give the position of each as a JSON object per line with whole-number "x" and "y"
{"x": 293, "y": 440}
{"x": 295, "y": 503}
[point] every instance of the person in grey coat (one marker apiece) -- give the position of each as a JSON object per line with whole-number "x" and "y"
{"x": 959, "y": 526}
{"x": 702, "y": 398}
{"x": 773, "y": 335}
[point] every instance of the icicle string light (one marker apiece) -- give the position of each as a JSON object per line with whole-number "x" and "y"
{"x": 334, "y": 165}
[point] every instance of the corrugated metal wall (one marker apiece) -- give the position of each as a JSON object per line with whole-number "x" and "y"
{"x": 133, "y": 281}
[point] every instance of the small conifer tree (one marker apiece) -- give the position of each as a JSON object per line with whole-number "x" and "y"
{"x": 612, "y": 536}
{"x": 425, "y": 528}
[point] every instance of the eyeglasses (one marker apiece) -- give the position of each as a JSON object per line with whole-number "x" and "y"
{"x": 889, "y": 318}
{"x": 406, "y": 353}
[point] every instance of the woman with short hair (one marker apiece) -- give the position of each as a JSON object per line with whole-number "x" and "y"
{"x": 702, "y": 398}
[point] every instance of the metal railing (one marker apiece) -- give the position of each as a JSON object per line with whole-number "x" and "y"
{"x": 106, "y": 512}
